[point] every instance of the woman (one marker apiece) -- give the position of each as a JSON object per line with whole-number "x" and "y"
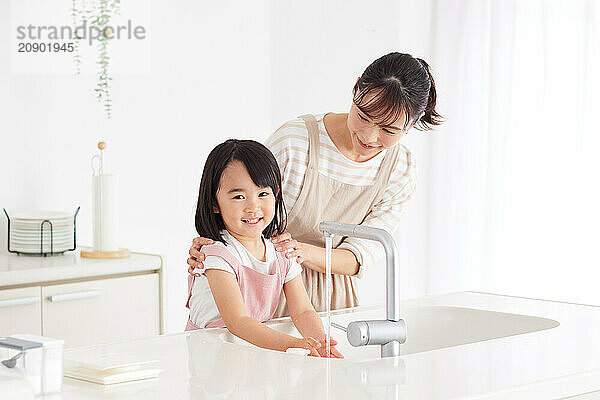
{"x": 349, "y": 168}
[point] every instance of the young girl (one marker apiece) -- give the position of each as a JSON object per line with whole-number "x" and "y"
{"x": 240, "y": 206}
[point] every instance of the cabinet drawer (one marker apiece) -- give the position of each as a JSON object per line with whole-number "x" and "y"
{"x": 102, "y": 311}
{"x": 20, "y": 311}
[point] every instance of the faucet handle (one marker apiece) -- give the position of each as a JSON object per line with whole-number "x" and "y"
{"x": 358, "y": 333}
{"x": 361, "y": 333}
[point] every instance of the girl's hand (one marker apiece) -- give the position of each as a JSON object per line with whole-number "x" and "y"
{"x": 318, "y": 348}
{"x": 196, "y": 256}
{"x": 289, "y": 246}
{"x": 308, "y": 343}
{"x": 322, "y": 350}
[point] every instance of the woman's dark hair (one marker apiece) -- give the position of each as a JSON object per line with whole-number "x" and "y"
{"x": 397, "y": 84}
{"x": 262, "y": 168}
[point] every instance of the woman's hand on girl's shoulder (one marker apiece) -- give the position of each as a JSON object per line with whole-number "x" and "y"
{"x": 196, "y": 256}
{"x": 286, "y": 244}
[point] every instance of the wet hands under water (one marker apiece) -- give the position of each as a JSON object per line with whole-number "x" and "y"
{"x": 318, "y": 348}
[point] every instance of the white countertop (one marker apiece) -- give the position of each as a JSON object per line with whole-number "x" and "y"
{"x": 554, "y": 363}
{"x": 23, "y": 270}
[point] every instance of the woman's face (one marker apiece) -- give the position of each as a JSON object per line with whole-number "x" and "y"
{"x": 369, "y": 138}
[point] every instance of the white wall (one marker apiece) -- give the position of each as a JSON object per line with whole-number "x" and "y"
{"x": 213, "y": 71}
{"x": 209, "y": 79}
{"x": 209, "y": 71}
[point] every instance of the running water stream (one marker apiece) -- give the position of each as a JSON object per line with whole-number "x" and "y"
{"x": 328, "y": 237}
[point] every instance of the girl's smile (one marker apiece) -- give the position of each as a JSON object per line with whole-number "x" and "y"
{"x": 252, "y": 221}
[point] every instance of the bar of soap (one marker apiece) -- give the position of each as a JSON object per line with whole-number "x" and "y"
{"x": 297, "y": 350}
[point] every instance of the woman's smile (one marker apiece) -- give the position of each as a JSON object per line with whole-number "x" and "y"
{"x": 364, "y": 145}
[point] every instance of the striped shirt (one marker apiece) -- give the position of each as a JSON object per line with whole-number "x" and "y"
{"x": 289, "y": 144}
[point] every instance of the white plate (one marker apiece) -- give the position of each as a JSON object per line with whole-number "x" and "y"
{"x": 37, "y": 239}
{"x": 37, "y": 251}
{"x": 41, "y": 215}
{"x": 45, "y": 247}
{"x": 45, "y": 243}
{"x": 37, "y": 245}
{"x": 37, "y": 222}
{"x": 37, "y": 242}
{"x": 45, "y": 232}
{"x": 55, "y": 228}
{"x": 37, "y": 230}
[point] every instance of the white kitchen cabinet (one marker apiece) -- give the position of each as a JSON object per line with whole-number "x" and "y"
{"x": 105, "y": 310}
{"x": 83, "y": 301}
{"x": 20, "y": 311}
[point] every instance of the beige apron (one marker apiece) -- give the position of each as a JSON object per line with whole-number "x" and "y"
{"x": 324, "y": 199}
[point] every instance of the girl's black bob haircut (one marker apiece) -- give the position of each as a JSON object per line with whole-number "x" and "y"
{"x": 262, "y": 168}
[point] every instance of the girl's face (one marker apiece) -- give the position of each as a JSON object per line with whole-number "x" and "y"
{"x": 368, "y": 138}
{"x": 246, "y": 209}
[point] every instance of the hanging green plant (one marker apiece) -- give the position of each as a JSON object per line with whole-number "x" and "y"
{"x": 98, "y": 14}
{"x": 76, "y": 14}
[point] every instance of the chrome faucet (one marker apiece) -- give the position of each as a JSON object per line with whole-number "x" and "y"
{"x": 391, "y": 332}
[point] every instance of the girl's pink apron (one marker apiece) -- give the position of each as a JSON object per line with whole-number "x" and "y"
{"x": 260, "y": 292}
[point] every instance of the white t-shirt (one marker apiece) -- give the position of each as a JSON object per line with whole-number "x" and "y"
{"x": 203, "y": 309}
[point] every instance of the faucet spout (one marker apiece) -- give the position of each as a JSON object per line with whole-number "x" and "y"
{"x": 389, "y": 333}
{"x": 391, "y": 254}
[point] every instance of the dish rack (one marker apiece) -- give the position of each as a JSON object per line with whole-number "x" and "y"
{"x": 45, "y": 228}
